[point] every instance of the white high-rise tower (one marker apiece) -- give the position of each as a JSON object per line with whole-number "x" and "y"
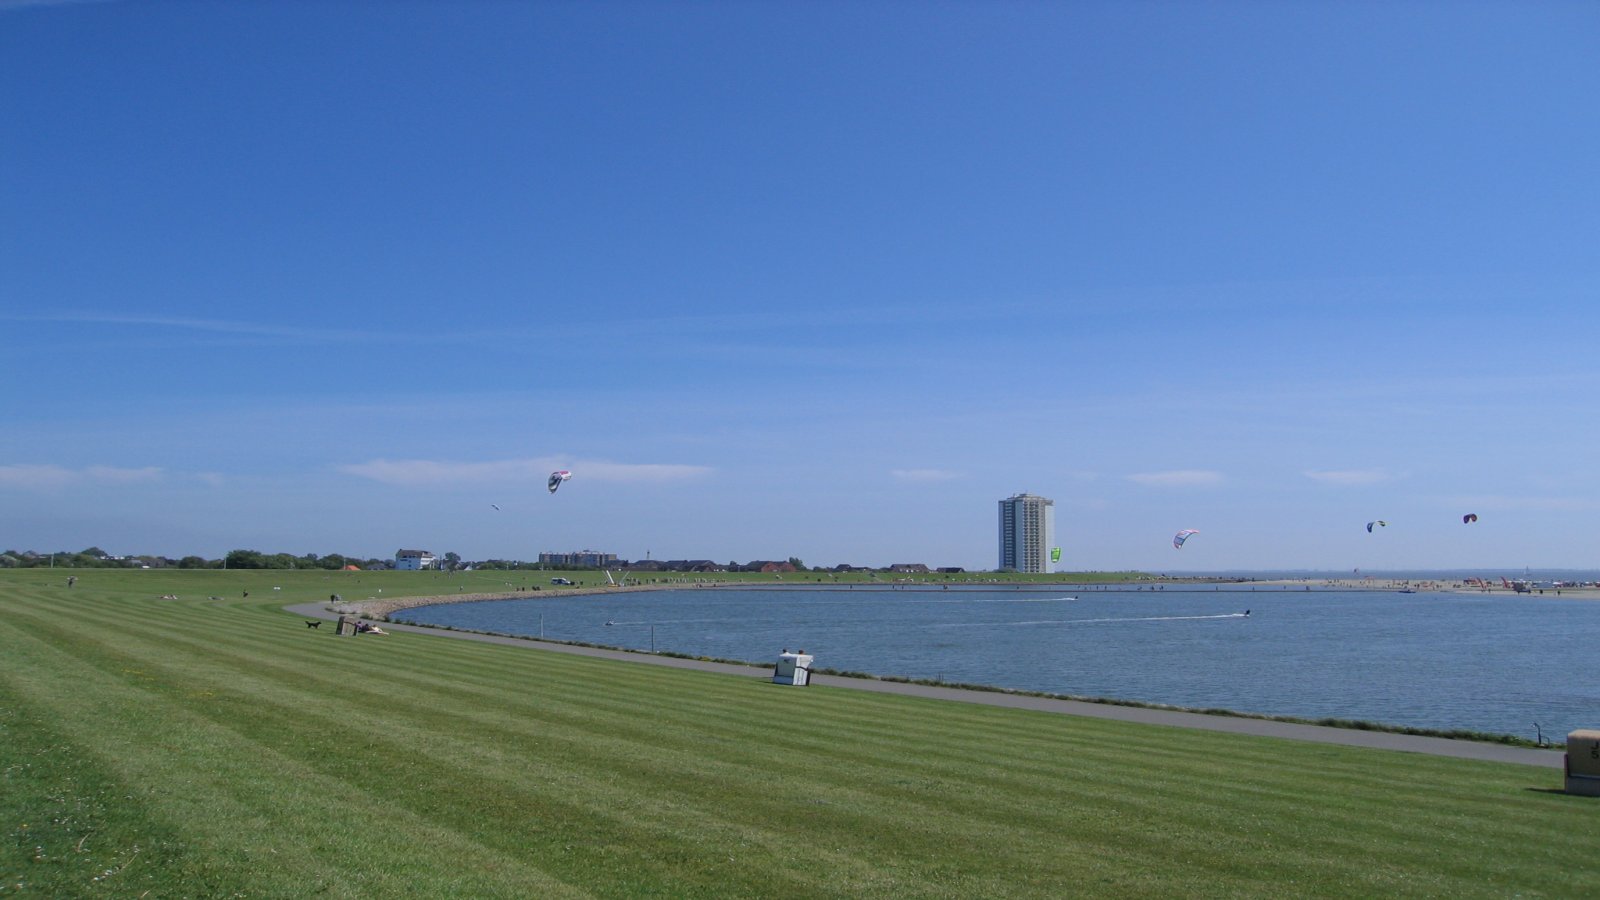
{"x": 1027, "y": 532}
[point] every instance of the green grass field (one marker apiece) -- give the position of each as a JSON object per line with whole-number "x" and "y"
{"x": 214, "y": 748}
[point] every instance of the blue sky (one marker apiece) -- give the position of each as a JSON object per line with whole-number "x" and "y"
{"x": 823, "y": 280}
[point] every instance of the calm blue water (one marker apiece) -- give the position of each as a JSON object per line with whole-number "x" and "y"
{"x": 1488, "y": 662}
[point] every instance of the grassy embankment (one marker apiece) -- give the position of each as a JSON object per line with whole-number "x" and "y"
{"x": 198, "y": 747}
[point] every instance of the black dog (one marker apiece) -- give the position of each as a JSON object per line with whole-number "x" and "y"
{"x": 313, "y": 624}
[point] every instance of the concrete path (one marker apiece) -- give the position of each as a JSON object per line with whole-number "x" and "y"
{"x": 1350, "y": 737}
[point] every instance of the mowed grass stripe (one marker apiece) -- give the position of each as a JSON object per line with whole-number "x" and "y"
{"x": 72, "y": 822}
{"x": 281, "y": 827}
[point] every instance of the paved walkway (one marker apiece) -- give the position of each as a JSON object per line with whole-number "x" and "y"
{"x": 1349, "y": 737}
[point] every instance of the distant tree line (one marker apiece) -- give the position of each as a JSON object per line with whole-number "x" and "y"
{"x": 250, "y": 559}
{"x": 94, "y": 557}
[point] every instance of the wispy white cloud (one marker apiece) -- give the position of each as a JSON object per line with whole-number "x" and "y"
{"x": 1350, "y": 477}
{"x": 53, "y": 476}
{"x": 183, "y": 323}
{"x": 1177, "y": 478}
{"x": 924, "y": 474}
{"x": 853, "y": 315}
{"x": 177, "y": 328}
{"x": 414, "y": 472}
{"x": 25, "y": 476}
{"x": 424, "y": 472}
{"x": 121, "y": 475}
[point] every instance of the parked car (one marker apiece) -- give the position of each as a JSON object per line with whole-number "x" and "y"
{"x": 560, "y": 581}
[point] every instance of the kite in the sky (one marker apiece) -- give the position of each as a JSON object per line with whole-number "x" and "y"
{"x": 556, "y": 478}
{"x": 1180, "y": 537}
{"x": 1380, "y": 523}
{"x": 1055, "y": 554}
{"x": 496, "y": 507}
{"x": 1469, "y": 518}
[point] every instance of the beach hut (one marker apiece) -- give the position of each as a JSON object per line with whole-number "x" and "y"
{"x": 1583, "y": 762}
{"x": 793, "y": 668}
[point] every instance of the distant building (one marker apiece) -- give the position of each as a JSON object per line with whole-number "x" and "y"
{"x": 412, "y": 560}
{"x": 579, "y": 559}
{"x": 769, "y": 566}
{"x": 1027, "y": 532}
{"x": 909, "y": 568}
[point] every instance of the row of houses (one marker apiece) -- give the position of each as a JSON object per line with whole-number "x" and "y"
{"x": 580, "y": 559}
